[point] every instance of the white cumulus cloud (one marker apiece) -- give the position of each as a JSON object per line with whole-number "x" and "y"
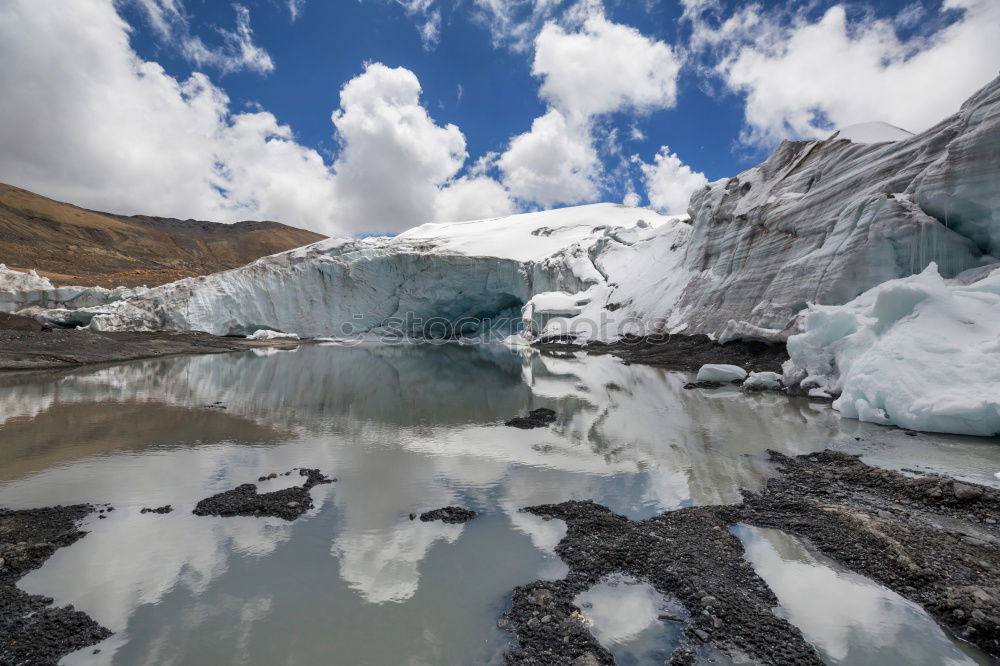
{"x": 670, "y": 183}
{"x": 472, "y": 197}
{"x": 395, "y": 159}
{"x": 88, "y": 121}
{"x": 800, "y": 77}
{"x": 596, "y": 69}
{"x": 604, "y": 67}
{"x": 555, "y": 162}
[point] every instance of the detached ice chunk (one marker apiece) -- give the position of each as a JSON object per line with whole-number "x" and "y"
{"x": 919, "y": 352}
{"x": 720, "y": 372}
{"x": 267, "y": 334}
{"x": 763, "y": 381}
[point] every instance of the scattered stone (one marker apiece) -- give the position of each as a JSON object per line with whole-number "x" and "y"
{"x": 32, "y": 631}
{"x": 702, "y": 385}
{"x": 413, "y": 516}
{"x": 541, "y": 597}
{"x": 244, "y": 500}
{"x": 688, "y": 555}
{"x": 448, "y": 514}
{"x": 964, "y": 491}
{"x": 160, "y": 509}
{"x": 536, "y": 418}
{"x": 681, "y": 352}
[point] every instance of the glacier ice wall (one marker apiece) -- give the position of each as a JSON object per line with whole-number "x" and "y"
{"x": 823, "y": 221}
{"x": 29, "y": 291}
{"x": 437, "y": 279}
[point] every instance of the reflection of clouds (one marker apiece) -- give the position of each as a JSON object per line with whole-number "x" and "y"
{"x": 131, "y": 559}
{"x": 702, "y": 445}
{"x": 382, "y": 564}
{"x": 404, "y": 429}
{"x": 849, "y": 618}
{"x": 620, "y": 609}
{"x": 379, "y": 547}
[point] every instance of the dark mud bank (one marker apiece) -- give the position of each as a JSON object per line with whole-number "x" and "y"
{"x": 449, "y": 514}
{"x": 27, "y": 345}
{"x": 681, "y": 352}
{"x": 244, "y": 500}
{"x": 932, "y": 540}
{"x": 32, "y": 630}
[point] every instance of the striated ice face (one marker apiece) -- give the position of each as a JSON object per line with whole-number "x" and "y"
{"x": 822, "y": 222}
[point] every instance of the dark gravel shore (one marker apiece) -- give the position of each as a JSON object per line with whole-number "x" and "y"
{"x": 932, "y": 540}
{"x": 244, "y": 500}
{"x": 24, "y": 345}
{"x": 536, "y": 418}
{"x": 32, "y": 630}
{"x": 681, "y": 352}
{"x": 448, "y": 514}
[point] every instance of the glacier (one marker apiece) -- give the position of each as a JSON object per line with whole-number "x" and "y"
{"x": 28, "y": 292}
{"x": 824, "y": 221}
{"x": 819, "y": 223}
{"x": 438, "y": 280}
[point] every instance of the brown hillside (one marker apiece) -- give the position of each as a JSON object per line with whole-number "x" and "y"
{"x": 72, "y": 245}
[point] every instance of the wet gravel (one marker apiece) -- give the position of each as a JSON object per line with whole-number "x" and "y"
{"x": 448, "y": 514}
{"x": 933, "y": 540}
{"x": 32, "y": 630}
{"x": 688, "y": 554}
{"x": 536, "y": 418}
{"x": 244, "y": 500}
{"x": 26, "y": 345}
{"x": 681, "y": 352}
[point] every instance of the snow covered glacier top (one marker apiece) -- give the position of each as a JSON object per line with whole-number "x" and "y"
{"x": 874, "y": 132}
{"x": 452, "y": 274}
{"x": 526, "y": 237}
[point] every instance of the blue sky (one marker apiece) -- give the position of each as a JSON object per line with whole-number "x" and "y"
{"x": 638, "y": 101}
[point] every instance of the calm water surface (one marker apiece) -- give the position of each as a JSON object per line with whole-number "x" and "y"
{"x": 403, "y": 428}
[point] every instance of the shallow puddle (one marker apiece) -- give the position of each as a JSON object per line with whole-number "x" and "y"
{"x": 403, "y": 429}
{"x": 849, "y": 618}
{"x": 637, "y": 624}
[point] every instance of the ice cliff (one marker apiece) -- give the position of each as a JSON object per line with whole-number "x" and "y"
{"x": 436, "y": 279}
{"x": 824, "y": 221}
{"x": 29, "y": 293}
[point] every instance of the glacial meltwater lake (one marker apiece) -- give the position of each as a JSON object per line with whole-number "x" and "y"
{"x": 407, "y": 429}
